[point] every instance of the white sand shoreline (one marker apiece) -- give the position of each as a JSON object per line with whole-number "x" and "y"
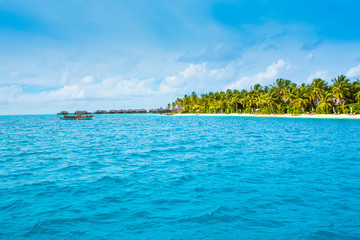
{"x": 328, "y": 116}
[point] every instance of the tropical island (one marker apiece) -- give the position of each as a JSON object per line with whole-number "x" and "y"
{"x": 283, "y": 97}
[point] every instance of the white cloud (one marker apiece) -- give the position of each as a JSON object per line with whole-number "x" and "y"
{"x": 196, "y": 77}
{"x": 192, "y": 75}
{"x": 200, "y": 78}
{"x": 108, "y": 88}
{"x": 15, "y": 74}
{"x": 64, "y": 77}
{"x": 121, "y": 91}
{"x": 354, "y": 72}
{"x": 88, "y": 79}
{"x": 272, "y": 72}
{"x": 318, "y": 74}
{"x": 66, "y": 92}
{"x": 86, "y": 88}
{"x": 310, "y": 56}
{"x": 10, "y": 94}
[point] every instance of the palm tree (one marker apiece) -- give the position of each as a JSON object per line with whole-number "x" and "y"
{"x": 249, "y": 100}
{"x": 187, "y": 103}
{"x": 357, "y": 96}
{"x": 326, "y": 101}
{"x": 283, "y": 93}
{"x": 235, "y": 99}
{"x": 290, "y": 94}
{"x": 340, "y": 89}
{"x": 179, "y": 102}
{"x": 317, "y": 88}
{"x": 281, "y": 86}
{"x": 243, "y": 99}
{"x": 354, "y": 90}
{"x": 270, "y": 99}
{"x": 301, "y": 99}
{"x": 228, "y": 96}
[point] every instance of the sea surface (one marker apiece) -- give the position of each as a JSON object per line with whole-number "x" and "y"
{"x": 168, "y": 177}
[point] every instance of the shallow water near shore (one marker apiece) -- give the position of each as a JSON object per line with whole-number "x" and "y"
{"x": 160, "y": 177}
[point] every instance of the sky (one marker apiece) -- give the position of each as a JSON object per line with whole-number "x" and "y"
{"x": 116, "y": 54}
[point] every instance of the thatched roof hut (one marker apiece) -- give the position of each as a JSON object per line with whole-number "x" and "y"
{"x": 81, "y": 111}
{"x": 159, "y": 110}
{"x": 140, "y": 111}
{"x": 121, "y": 111}
{"x": 101, "y": 112}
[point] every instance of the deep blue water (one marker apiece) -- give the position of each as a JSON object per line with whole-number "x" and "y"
{"x": 161, "y": 177}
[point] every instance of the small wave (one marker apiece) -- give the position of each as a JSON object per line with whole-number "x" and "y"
{"x": 325, "y": 235}
{"x": 70, "y": 168}
{"x": 96, "y": 164}
{"x": 109, "y": 199}
{"x": 28, "y": 153}
{"x": 183, "y": 179}
{"x": 111, "y": 180}
{"x": 18, "y": 203}
{"x": 187, "y": 178}
{"x": 220, "y": 215}
{"x": 53, "y": 211}
{"x": 170, "y": 201}
{"x": 200, "y": 189}
{"x": 52, "y": 227}
{"x": 39, "y": 183}
{"x": 17, "y": 175}
{"x": 141, "y": 214}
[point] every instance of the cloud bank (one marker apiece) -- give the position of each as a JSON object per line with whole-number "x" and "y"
{"x": 196, "y": 77}
{"x": 275, "y": 70}
{"x": 124, "y": 92}
{"x": 354, "y": 72}
{"x": 318, "y": 74}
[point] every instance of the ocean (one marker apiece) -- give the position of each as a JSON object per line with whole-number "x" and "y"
{"x": 179, "y": 177}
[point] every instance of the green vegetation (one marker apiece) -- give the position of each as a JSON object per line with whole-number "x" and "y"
{"x": 282, "y": 97}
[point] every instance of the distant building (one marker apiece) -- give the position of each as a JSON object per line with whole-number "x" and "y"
{"x": 101, "y": 112}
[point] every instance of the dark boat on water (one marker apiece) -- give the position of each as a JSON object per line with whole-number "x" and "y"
{"x": 78, "y": 115}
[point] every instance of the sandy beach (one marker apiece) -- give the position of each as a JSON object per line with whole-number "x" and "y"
{"x": 330, "y": 116}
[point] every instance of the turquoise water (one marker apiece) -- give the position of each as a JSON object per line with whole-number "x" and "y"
{"x": 159, "y": 177}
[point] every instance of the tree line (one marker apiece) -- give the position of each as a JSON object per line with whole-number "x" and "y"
{"x": 282, "y": 97}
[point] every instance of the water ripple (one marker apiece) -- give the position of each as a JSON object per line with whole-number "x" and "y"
{"x": 157, "y": 177}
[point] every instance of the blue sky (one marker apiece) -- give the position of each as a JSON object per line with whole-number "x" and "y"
{"x": 72, "y": 55}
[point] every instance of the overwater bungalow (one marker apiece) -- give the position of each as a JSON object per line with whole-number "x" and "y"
{"x": 160, "y": 110}
{"x": 140, "y": 111}
{"x": 101, "y": 112}
{"x": 113, "y": 111}
{"x": 81, "y": 111}
{"x": 121, "y": 111}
